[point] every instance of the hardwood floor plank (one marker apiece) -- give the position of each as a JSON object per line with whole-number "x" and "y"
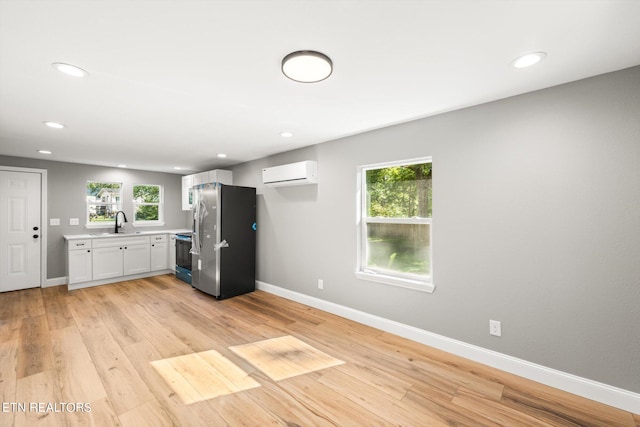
{"x": 392, "y": 386}
{"x": 40, "y": 389}
{"x": 77, "y": 375}
{"x": 394, "y": 411}
{"x": 562, "y": 409}
{"x": 125, "y": 389}
{"x": 102, "y": 414}
{"x": 121, "y": 328}
{"x": 35, "y": 352}
{"x": 239, "y": 410}
{"x": 32, "y": 303}
{"x": 150, "y": 414}
{"x": 469, "y": 401}
{"x": 8, "y": 362}
{"x": 328, "y": 404}
{"x": 84, "y": 313}
{"x": 163, "y": 340}
{"x": 56, "y": 308}
{"x": 287, "y": 410}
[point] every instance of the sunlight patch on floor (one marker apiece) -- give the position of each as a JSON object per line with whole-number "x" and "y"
{"x": 201, "y": 376}
{"x": 284, "y": 357}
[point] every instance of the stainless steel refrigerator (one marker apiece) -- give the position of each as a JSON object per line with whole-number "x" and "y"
{"x": 224, "y": 240}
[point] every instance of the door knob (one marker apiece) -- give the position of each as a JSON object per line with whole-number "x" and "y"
{"x": 35, "y": 228}
{"x": 35, "y": 236}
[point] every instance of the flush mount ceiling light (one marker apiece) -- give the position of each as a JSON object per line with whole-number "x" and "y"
{"x": 122, "y": 166}
{"x": 70, "y": 70}
{"x": 529, "y": 59}
{"x": 222, "y": 155}
{"x": 54, "y": 125}
{"x": 307, "y": 66}
{"x": 44, "y": 151}
{"x": 286, "y": 134}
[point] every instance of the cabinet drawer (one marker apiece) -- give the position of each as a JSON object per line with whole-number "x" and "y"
{"x": 158, "y": 238}
{"x": 79, "y": 244}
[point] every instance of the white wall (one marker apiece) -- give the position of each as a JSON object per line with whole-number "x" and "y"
{"x": 536, "y": 223}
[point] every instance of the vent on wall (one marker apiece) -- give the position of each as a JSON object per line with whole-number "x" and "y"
{"x": 299, "y": 173}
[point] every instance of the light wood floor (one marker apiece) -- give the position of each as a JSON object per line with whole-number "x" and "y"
{"x": 95, "y": 347}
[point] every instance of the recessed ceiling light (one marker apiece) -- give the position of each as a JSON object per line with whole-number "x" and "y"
{"x": 529, "y": 59}
{"x": 307, "y": 66}
{"x": 122, "y": 166}
{"x": 70, "y": 70}
{"x": 178, "y": 168}
{"x": 54, "y": 125}
{"x": 222, "y": 155}
{"x": 286, "y": 134}
{"x": 44, "y": 151}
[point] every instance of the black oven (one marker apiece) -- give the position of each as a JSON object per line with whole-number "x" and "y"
{"x": 183, "y": 257}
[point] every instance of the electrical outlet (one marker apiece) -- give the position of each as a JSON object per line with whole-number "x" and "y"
{"x": 495, "y": 328}
{"x": 74, "y": 221}
{"x": 54, "y": 221}
{"x": 320, "y": 284}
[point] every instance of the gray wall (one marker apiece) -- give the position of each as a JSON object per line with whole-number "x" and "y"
{"x": 536, "y": 223}
{"x": 67, "y": 199}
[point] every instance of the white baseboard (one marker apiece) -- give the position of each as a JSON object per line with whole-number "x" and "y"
{"x": 56, "y": 281}
{"x": 609, "y": 395}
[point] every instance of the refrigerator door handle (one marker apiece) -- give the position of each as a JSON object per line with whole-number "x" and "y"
{"x": 197, "y": 211}
{"x": 218, "y": 246}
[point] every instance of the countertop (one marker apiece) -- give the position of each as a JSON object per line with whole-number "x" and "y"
{"x": 103, "y": 235}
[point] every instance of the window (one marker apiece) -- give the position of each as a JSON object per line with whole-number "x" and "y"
{"x": 395, "y": 224}
{"x": 104, "y": 199}
{"x": 147, "y": 205}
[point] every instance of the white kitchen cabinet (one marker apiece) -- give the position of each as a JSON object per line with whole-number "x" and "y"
{"x": 107, "y": 262}
{"x": 172, "y": 252}
{"x": 187, "y": 183}
{"x": 159, "y": 252}
{"x": 79, "y": 265}
{"x": 220, "y": 176}
{"x": 137, "y": 259}
{"x": 200, "y": 178}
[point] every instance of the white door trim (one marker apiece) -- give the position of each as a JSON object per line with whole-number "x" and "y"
{"x": 43, "y": 216}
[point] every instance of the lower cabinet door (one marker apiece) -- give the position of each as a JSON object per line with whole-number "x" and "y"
{"x": 137, "y": 259}
{"x": 107, "y": 262}
{"x": 80, "y": 266}
{"x": 159, "y": 256}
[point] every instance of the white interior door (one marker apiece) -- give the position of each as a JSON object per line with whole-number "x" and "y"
{"x": 20, "y": 230}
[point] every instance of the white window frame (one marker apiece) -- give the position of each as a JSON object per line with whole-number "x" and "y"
{"x": 105, "y": 224}
{"x": 160, "y": 204}
{"x": 363, "y": 272}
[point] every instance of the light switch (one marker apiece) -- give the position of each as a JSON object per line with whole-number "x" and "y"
{"x": 74, "y": 221}
{"x": 54, "y": 221}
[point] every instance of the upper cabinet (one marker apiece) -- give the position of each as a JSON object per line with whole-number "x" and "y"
{"x": 189, "y": 181}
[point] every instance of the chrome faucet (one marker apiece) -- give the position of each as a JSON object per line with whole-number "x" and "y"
{"x": 116, "y": 219}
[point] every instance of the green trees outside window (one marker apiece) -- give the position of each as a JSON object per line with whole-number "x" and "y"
{"x": 146, "y": 201}
{"x": 397, "y": 209}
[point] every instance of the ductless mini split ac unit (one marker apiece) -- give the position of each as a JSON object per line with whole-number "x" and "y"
{"x": 299, "y": 173}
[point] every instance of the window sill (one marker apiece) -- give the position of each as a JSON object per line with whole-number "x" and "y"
{"x": 397, "y": 281}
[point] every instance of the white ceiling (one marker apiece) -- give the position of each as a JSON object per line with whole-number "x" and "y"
{"x": 174, "y": 83}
